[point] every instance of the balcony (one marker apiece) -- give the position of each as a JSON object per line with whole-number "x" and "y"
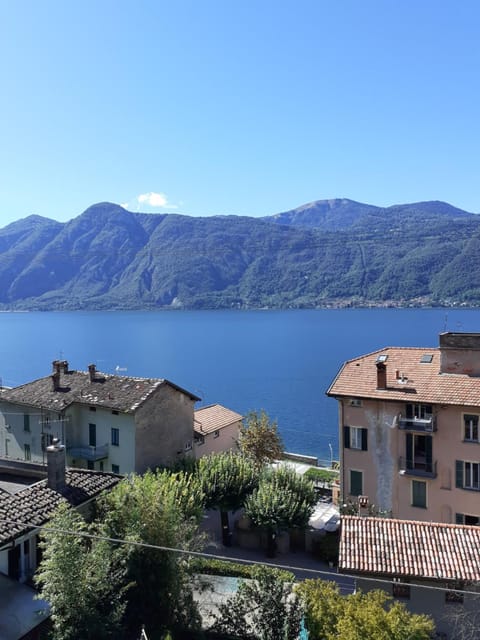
{"x": 426, "y": 425}
{"x": 419, "y": 466}
{"x": 92, "y": 454}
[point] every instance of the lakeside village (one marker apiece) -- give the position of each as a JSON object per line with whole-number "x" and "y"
{"x": 134, "y": 461}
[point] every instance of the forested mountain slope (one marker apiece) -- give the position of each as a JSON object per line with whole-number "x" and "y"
{"x": 330, "y": 252}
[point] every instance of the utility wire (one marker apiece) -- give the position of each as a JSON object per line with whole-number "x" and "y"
{"x": 211, "y": 556}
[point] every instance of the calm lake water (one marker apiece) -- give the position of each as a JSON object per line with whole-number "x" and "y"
{"x": 281, "y": 361}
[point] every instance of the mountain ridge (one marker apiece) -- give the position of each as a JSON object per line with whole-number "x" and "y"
{"x": 335, "y": 252}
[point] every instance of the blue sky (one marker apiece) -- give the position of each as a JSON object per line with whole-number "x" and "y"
{"x": 249, "y": 107}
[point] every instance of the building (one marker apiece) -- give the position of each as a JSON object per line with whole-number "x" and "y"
{"x": 216, "y": 429}
{"x": 107, "y": 422}
{"x": 27, "y": 502}
{"x": 409, "y": 430}
{"x": 432, "y": 567}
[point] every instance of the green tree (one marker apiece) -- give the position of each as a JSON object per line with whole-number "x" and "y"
{"x": 259, "y": 439}
{"x": 263, "y": 608}
{"x": 360, "y": 616}
{"x": 226, "y": 479}
{"x": 161, "y": 509}
{"x": 283, "y": 500}
{"x": 82, "y": 579}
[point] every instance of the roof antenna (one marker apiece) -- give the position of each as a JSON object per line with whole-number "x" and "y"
{"x": 118, "y": 368}
{"x": 445, "y": 324}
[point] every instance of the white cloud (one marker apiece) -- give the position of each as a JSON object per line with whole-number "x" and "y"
{"x": 153, "y": 199}
{"x": 124, "y": 205}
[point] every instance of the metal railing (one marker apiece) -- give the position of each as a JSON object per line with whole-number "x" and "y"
{"x": 418, "y": 467}
{"x": 88, "y": 453}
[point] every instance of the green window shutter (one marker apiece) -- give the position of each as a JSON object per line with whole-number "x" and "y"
{"x": 356, "y": 483}
{"x": 459, "y": 518}
{"x": 459, "y": 474}
{"x": 346, "y": 437}
{"x": 419, "y": 494}
{"x": 364, "y": 439}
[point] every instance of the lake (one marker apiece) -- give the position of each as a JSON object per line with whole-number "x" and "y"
{"x": 280, "y": 361}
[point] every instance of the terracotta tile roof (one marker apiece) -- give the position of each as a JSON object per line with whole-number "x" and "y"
{"x": 36, "y": 504}
{"x": 421, "y": 382}
{"x": 409, "y": 548}
{"x": 120, "y": 393}
{"x": 213, "y": 418}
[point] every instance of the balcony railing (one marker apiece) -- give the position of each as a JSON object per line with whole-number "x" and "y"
{"x": 89, "y": 453}
{"x": 418, "y": 424}
{"x": 418, "y": 467}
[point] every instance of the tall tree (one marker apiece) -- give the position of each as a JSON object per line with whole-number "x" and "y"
{"x": 283, "y": 500}
{"x": 360, "y": 616}
{"x": 259, "y": 439}
{"x": 263, "y": 608}
{"x": 226, "y": 479}
{"x": 160, "y": 509}
{"x": 82, "y": 580}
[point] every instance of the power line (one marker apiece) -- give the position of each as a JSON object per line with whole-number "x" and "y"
{"x": 211, "y": 556}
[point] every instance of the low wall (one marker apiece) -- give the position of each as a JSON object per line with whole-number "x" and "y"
{"x": 298, "y": 457}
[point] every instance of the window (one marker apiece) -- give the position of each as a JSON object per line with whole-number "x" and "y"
{"x": 7, "y": 442}
{"x": 101, "y": 465}
{"x": 199, "y": 438}
{"x": 467, "y": 475}
{"x": 115, "y": 468}
{"x": 216, "y": 434}
{"x": 92, "y": 408}
{"x": 470, "y": 428}
{"x": 419, "y": 411}
{"x": 115, "y": 436}
{"x": 355, "y": 438}
{"x": 92, "y": 435}
{"x": 419, "y": 494}
{"x": 400, "y": 589}
{"x": 90, "y": 465}
{"x": 26, "y": 422}
{"x": 419, "y": 453}
{"x": 114, "y": 412}
{"x": 28, "y": 453}
{"x": 356, "y": 483}
{"x": 188, "y": 446}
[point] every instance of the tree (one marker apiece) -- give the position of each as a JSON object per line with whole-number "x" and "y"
{"x": 283, "y": 500}
{"x": 360, "y": 616}
{"x": 259, "y": 439}
{"x": 161, "y": 509}
{"x": 263, "y": 608}
{"x": 226, "y": 480}
{"x": 82, "y": 580}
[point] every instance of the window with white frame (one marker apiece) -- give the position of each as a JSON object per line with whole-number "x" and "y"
{"x": 467, "y": 475}
{"x": 470, "y": 427}
{"x": 355, "y": 438}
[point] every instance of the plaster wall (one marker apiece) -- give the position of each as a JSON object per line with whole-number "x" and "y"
{"x": 164, "y": 428}
{"x": 14, "y": 436}
{"x": 226, "y": 441}
{"x": 379, "y": 463}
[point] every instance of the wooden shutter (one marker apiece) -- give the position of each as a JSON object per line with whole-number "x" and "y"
{"x": 364, "y": 439}
{"x": 409, "y": 450}
{"x": 459, "y": 474}
{"x": 356, "y": 483}
{"x": 346, "y": 437}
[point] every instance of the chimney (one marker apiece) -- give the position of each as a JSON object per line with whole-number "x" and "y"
{"x": 381, "y": 375}
{"x": 56, "y": 381}
{"x": 363, "y": 506}
{"x": 56, "y": 366}
{"x": 64, "y": 366}
{"x": 56, "y": 466}
{"x": 92, "y": 372}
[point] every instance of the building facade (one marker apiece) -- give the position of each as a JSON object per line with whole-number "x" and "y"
{"x": 216, "y": 429}
{"x": 107, "y": 422}
{"x": 409, "y": 433}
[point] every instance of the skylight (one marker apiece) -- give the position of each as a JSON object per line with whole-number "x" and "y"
{"x": 382, "y": 358}
{"x": 426, "y": 358}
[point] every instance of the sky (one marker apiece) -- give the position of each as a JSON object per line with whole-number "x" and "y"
{"x": 247, "y": 107}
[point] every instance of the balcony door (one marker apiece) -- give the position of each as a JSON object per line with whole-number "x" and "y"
{"x": 419, "y": 452}
{"x": 92, "y": 435}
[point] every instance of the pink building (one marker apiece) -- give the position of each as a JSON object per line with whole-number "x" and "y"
{"x": 409, "y": 430}
{"x": 216, "y": 429}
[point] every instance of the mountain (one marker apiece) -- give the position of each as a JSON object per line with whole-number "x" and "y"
{"x": 326, "y": 253}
